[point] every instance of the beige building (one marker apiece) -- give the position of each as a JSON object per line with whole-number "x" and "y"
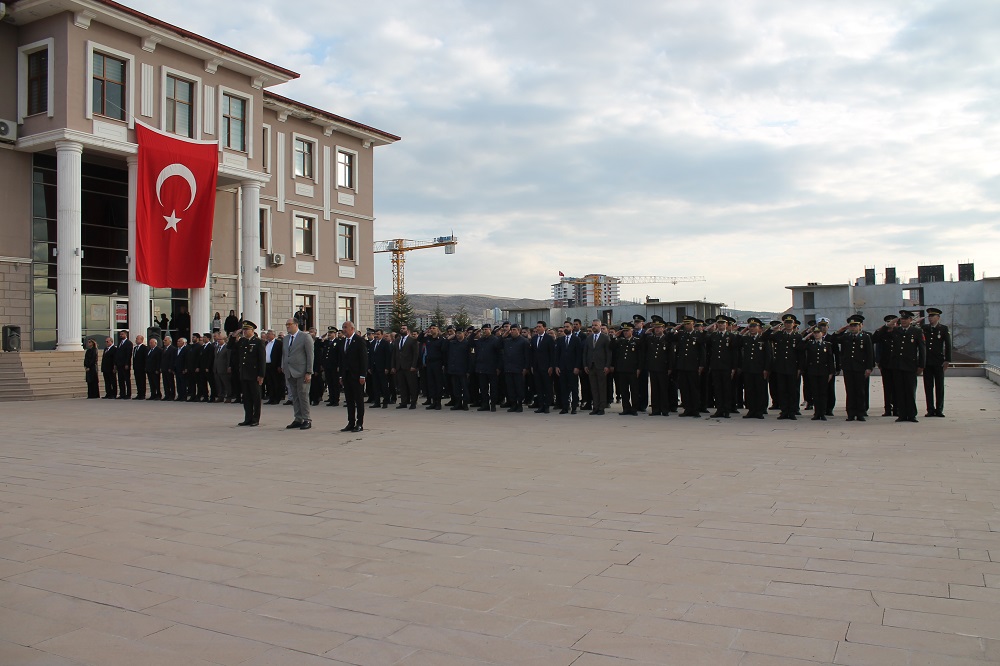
{"x": 294, "y": 208}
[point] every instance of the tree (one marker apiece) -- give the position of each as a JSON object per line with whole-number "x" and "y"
{"x": 462, "y": 319}
{"x": 402, "y": 313}
{"x": 438, "y": 318}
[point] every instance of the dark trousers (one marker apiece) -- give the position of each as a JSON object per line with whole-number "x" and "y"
{"x": 435, "y": 383}
{"x": 460, "y": 389}
{"x": 154, "y": 384}
{"x": 515, "y": 388}
{"x": 275, "y": 383}
{"x": 755, "y": 393}
{"x": 856, "y": 386}
{"x": 831, "y": 394}
{"x": 659, "y": 385}
{"x": 585, "y": 393}
{"x": 889, "y": 390}
{"x": 569, "y": 390}
{"x": 334, "y": 374}
{"x": 317, "y": 386}
{"x": 598, "y": 388}
{"x": 722, "y": 386}
{"x": 627, "y": 384}
{"x": 124, "y": 383}
{"x": 543, "y": 387}
{"x": 93, "y": 388}
{"x": 251, "y": 400}
{"x": 934, "y": 388}
{"x": 110, "y": 384}
{"x": 488, "y": 390}
{"x": 140, "y": 383}
{"x": 905, "y": 382}
{"x": 640, "y": 397}
{"x": 672, "y": 391}
{"x": 354, "y": 397}
{"x": 819, "y": 387}
{"x": 406, "y": 384}
{"x": 182, "y": 386}
{"x": 169, "y": 389}
{"x": 788, "y": 393}
{"x": 772, "y": 388}
{"x": 380, "y": 387}
{"x": 689, "y": 384}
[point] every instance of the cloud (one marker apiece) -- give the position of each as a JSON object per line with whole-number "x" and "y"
{"x": 759, "y": 144}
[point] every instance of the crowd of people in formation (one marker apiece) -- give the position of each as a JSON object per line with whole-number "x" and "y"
{"x": 660, "y": 368}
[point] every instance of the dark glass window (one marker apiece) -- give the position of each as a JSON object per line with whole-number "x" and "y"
{"x": 38, "y": 82}
{"x": 109, "y": 86}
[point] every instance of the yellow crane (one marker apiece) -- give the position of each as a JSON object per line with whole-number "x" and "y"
{"x": 596, "y": 280}
{"x": 400, "y": 246}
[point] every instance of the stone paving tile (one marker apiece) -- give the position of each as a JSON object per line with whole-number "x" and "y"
{"x": 588, "y": 541}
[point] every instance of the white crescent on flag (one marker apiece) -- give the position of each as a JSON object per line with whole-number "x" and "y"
{"x": 182, "y": 171}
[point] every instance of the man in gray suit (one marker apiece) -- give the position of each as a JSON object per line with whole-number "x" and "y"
{"x": 597, "y": 364}
{"x": 223, "y": 378}
{"x": 297, "y": 366}
{"x": 407, "y": 356}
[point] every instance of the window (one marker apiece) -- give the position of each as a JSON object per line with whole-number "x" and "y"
{"x": 265, "y": 228}
{"x": 233, "y": 130}
{"x": 345, "y": 241}
{"x": 108, "y": 85}
{"x": 345, "y": 169}
{"x": 38, "y": 82}
{"x": 346, "y": 309}
{"x": 303, "y": 235}
{"x": 266, "y": 148}
{"x": 180, "y": 106}
{"x": 681, "y": 312}
{"x": 307, "y": 303}
{"x": 808, "y": 300}
{"x": 304, "y": 158}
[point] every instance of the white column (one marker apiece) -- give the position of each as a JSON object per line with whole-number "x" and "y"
{"x": 69, "y": 260}
{"x": 138, "y": 293}
{"x": 201, "y": 305}
{"x": 250, "y": 261}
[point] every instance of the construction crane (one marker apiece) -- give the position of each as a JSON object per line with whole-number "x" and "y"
{"x": 595, "y": 281}
{"x": 400, "y": 246}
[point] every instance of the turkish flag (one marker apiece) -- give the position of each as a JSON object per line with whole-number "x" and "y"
{"x": 174, "y": 209}
{"x": 561, "y": 274}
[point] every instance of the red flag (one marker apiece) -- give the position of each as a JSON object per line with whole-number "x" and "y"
{"x": 174, "y": 209}
{"x": 561, "y": 274}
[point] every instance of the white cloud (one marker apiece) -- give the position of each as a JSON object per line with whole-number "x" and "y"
{"x": 758, "y": 143}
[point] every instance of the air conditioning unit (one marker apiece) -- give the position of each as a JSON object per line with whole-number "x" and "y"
{"x": 277, "y": 259}
{"x": 8, "y": 131}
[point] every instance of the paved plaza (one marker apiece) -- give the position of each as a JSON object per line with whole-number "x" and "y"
{"x": 149, "y": 534}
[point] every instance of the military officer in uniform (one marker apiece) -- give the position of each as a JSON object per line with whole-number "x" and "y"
{"x": 857, "y": 359}
{"x": 907, "y": 361}
{"x": 252, "y": 365}
{"x": 688, "y": 364}
{"x": 937, "y": 337}
{"x": 657, "y": 363}
{"x": 819, "y": 366}
{"x": 627, "y": 366}
{"x": 787, "y": 345}
{"x": 755, "y": 367}
{"x": 883, "y": 353}
{"x": 722, "y": 362}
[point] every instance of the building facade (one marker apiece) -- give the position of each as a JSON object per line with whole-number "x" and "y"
{"x": 673, "y": 311}
{"x": 294, "y": 207}
{"x": 592, "y": 290}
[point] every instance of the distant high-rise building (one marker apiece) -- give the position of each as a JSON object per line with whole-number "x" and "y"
{"x": 383, "y": 314}
{"x": 591, "y": 290}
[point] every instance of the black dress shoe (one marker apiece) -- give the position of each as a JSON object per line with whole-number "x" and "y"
{"x": 861, "y": 418}
{"x": 306, "y": 425}
{"x": 287, "y": 402}
{"x": 255, "y": 424}
{"x": 454, "y": 408}
{"x": 348, "y": 428}
{"x": 400, "y": 406}
{"x": 901, "y": 420}
{"x": 888, "y": 414}
{"x": 912, "y": 419}
{"x": 493, "y": 408}
{"x": 483, "y": 409}
{"x": 564, "y": 411}
{"x": 573, "y": 411}
{"x": 243, "y": 423}
{"x": 929, "y": 415}
{"x": 293, "y": 424}
{"x": 850, "y": 418}
{"x": 413, "y": 406}
{"x": 358, "y": 429}
{"x": 940, "y": 415}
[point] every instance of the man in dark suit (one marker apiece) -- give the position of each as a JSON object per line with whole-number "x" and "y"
{"x": 569, "y": 360}
{"x": 487, "y": 352}
{"x": 181, "y": 370}
{"x": 168, "y": 365}
{"x": 139, "y": 351}
{"x": 353, "y": 368}
{"x": 123, "y": 364}
{"x": 407, "y": 357}
{"x": 153, "y": 356}
{"x": 379, "y": 360}
{"x": 192, "y": 368}
{"x": 543, "y": 363}
{"x": 434, "y": 360}
{"x": 516, "y": 365}
{"x": 597, "y": 364}
{"x": 108, "y": 369}
{"x": 275, "y": 381}
{"x": 206, "y": 362}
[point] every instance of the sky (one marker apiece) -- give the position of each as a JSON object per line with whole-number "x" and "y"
{"x": 756, "y": 143}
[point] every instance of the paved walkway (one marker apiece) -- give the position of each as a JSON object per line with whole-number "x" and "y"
{"x": 146, "y": 534}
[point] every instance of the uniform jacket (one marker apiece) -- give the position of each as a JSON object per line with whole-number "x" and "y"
{"x": 627, "y": 355}
{"x": 938, "y": 342}
{"x": 786, "y": 351}
{"x": 857, "y": 351}
{"x": 297, "y": 355}
{"x": 597, "y": 354}
{"x": 457, "y": 356}
{"x": 657, "y": 353}
{"x": 434, "y": 350}
{"x": 755, "y": 354}
{"x": 252, "y": 359}
{"x": 722, "y": 349}
{"x": 908, "y": 350}
{"x": 816, "y": 357}
{"x": 488, "y": 353}
{"x": 689, "y": 351}
{"x": 516, "y": 354}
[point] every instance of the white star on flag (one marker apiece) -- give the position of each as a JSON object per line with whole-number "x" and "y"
{"x": 172, "y": 221}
